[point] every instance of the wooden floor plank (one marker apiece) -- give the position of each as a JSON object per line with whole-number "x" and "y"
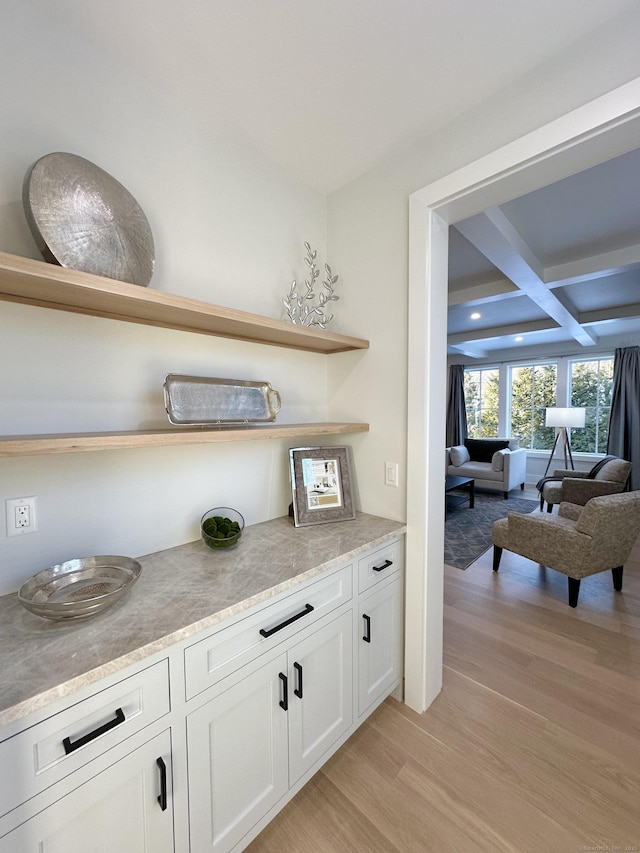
{"x": 317, "y": 820}
{"x": 533, "y": 743}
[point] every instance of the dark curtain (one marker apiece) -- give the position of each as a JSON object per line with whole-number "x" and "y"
{"x": 456, "y": 409}
{"x": 624, "y": 420}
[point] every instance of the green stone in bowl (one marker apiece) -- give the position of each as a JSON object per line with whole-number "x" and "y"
{"x": 221, "y": 527}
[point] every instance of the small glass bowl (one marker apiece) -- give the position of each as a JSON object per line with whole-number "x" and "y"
{"x": 221, "y": 527}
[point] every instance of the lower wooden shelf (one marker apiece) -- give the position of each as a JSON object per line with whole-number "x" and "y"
{"x": 42, "y": 445}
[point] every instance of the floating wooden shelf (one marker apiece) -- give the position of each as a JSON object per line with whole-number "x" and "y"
{"x": 40, "y": 445}
{"x": 46, "y": 285}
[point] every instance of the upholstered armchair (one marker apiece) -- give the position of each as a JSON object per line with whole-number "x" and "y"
{"x": 577, "y": 487}
{"x": 578, "y": 541}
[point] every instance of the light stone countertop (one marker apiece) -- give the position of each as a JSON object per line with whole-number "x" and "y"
{"x": 180, "y": 592}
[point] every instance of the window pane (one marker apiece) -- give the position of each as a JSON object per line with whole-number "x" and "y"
{"x": 591, "y": 384}
{"x": 481, "y": 388}
{"x": 533, "y": 389}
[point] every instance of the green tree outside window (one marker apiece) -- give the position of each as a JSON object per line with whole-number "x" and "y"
{"x": 591, "y": 384}
{"x": 533, "y": 390}
{"x": 481, "y": 391}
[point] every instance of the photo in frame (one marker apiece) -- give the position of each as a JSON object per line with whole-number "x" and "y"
{"x": 321, "y": 485}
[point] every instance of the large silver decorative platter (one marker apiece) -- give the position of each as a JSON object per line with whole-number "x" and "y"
{"x": 83, "y": 219}
{"x": 79, "y": 588}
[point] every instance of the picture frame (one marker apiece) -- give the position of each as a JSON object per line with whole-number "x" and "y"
{"x": 321, "y": 485}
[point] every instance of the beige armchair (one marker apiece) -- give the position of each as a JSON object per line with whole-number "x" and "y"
{"x": 578, "y": 541}
{"x": 578, "y": 487}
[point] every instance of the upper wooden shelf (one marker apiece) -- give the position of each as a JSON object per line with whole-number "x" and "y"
{"x": 46, "y": 285}
{"x": 40, "y": 445}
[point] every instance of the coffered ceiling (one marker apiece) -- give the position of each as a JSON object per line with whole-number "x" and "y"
{"x": 556, "y": 270}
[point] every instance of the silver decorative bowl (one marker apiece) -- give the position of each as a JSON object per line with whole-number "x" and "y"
{"x": 79, "y": 588}
{"x": 83, "y": 219}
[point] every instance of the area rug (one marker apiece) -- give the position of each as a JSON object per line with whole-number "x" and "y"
{"x": 467, "y": 532}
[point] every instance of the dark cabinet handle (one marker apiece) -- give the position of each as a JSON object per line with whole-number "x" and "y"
{"x": 71, "y": 747}
{"x": 284, "y": 702}
{"x": 384, "y": 566}
{"x": 367, "y": 628}
{"x": 162, "y": 796}
{"x": 268, "y": 632}
{"x": 298, "y": 689}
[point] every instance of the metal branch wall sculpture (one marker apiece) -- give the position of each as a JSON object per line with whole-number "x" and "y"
{"x": 309, "y": 308}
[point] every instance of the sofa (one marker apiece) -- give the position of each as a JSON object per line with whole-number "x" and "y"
{"x": 494, "y": 463}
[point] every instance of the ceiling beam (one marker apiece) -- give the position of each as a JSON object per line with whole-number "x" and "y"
{"x": 490, "y": 291}
{"x": 605, "y": 315}
{"x": 468, "y": 351}
{"x": 597, "y": 266}
{"x": 498, "y": 240}
{"x": 501, "y": 331}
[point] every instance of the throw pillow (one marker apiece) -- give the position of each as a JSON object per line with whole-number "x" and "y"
{"x": 482, "y": 449}
{"x": 497, "y": 460}
{"x": 514, "y": 444}
{"x": 459, "y": 455}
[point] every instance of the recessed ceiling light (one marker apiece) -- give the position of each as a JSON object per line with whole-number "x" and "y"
{"x": 476, "y": 315}
{"x": 518, "y": 339}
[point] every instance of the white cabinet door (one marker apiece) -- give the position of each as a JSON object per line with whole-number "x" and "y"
{"x": 119, "y": 809}
{"x": 249, "y": 743}
{"x": 237, "y": 757}
{"x": 320, "y": 693}
{"x": 379, "y": 643}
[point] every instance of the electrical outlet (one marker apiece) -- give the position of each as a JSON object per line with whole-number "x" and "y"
{"x": 21, "y": 516}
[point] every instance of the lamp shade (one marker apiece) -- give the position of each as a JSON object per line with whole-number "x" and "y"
{"x": 572, "y": 417}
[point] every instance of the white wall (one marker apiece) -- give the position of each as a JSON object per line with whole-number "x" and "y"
{"x": 368, "y": 233}
{"x": 229, "y": 229}
{"x": 369, "y": 238}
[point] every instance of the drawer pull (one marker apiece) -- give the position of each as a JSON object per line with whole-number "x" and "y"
{"x": 71, "y": 747}
{"x": 267, "y": 633}
{"x": 284, "y": 702}
{"x": 367, "y": 628}
{"x": 298, "y": 689}
{"x": 162, "y": 796}
{"x": 384, "y": 566}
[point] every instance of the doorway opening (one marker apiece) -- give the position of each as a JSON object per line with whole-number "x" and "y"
{"x": 588, "y": 136}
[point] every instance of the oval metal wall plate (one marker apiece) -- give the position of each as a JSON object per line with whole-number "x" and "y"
{"x": 83, "y": 219}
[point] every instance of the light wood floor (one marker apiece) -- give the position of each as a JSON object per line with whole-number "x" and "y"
{"x": 532, "y": 745}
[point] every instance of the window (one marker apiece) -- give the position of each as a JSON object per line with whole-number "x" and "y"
{"x": 533, "y": 389}
{"x": 481, "y": 389}
{"x": 529, "y": 388}
{"x": 590, "y": 388}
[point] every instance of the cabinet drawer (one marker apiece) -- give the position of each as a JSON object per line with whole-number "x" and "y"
{"x": 380, "y": 564}
{"x": 47, "y": 752}
{"x": 230, "y": 648}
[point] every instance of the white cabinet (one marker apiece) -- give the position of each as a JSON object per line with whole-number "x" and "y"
{"x": 237, "y": 757}
{"x": 126, "y": 807}
{"x": 227, "y": 650}
{"x": 380, "y": 647}
{"x": 266, "y": 726}
{"x": 197, "y": 747}
{"x": 320, "y": 679}
{"x": 82, "y": 732}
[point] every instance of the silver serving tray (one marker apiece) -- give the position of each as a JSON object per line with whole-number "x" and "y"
{"x": 83, "y": 219}
{"x": 201, "y": 401}
{"x": 79, "y": 588}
